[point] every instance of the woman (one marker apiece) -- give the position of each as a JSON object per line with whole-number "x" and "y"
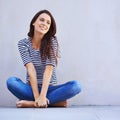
{"x": 39, "y": 53}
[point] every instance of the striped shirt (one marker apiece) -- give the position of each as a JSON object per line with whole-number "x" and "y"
{"x": 29, "y": 54}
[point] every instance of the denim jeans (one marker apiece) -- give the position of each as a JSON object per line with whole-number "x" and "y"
{"x": 56, "y": 93}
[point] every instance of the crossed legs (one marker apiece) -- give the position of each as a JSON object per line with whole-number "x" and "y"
{"x": 57, "y": 95}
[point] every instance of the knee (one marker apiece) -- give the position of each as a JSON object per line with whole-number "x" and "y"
{"x": 75, "y": 87}
{"x": 11, "y": 81}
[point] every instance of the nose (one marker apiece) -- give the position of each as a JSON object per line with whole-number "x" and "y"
{"x": 44, "y": 23}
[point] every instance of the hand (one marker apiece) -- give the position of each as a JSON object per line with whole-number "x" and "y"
{"x": 41, "y": 102}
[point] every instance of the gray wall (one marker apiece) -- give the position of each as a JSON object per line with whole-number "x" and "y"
{"x": 89, "y": 37}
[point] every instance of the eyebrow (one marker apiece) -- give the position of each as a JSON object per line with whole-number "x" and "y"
{"x": 44, "y": 18}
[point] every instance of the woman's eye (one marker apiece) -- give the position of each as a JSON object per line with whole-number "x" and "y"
{"x": 41, "y": 19}
{"x": 48, "y": 22}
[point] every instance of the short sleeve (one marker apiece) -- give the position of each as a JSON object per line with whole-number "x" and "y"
{"x": 24, "y": 52}
{"x": 52, "y": 61}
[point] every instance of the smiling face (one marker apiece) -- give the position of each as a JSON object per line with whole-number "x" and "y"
{"x": 42, "y": 23}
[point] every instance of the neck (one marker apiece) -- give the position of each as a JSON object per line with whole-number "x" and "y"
{"x": 36, "y": 41}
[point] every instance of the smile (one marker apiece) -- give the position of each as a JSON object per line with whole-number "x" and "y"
{"x": 43, "y": 28}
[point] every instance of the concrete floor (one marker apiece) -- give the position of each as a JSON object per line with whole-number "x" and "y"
{"x": 70, "y": 113}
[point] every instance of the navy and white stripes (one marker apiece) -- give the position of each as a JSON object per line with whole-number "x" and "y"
{"x": 29, "y": 54}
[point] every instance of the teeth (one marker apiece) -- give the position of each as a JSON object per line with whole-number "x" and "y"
{"x": 42, "y": 28}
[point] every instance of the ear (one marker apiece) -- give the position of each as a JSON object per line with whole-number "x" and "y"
{"x": 33, "y": 24}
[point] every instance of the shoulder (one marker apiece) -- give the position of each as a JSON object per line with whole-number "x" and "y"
{"x": 54, "y": 40}
{"x": 23, "y": 42}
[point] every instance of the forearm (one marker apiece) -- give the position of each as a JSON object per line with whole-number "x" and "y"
{"x": 46, "y": 80}
{"x": 34, "y": 85}
{"x": 33, "y": 80}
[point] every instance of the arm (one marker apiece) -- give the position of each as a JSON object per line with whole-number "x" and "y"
{"x": 24, "y": 50}
{"x": 33, "y": 79}
{"x": 42, "y": 100}
{"x": 46, "y": 80}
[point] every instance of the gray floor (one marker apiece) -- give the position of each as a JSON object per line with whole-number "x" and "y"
{"x": 70, "y": 113}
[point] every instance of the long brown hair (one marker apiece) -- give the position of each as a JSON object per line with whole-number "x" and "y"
{"x": 46, "y": 47}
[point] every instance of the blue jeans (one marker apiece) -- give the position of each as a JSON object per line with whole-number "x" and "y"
{"x": 56, "y": 93}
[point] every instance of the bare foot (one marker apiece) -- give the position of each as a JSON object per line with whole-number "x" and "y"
{"x": 25, "y": 104}
{"x": 59, "y": 104}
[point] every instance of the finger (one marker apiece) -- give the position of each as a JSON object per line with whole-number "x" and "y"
{"x": 36, "y": 104}
{"x": 43, "y": 106}
{"x": 48, "y": 101}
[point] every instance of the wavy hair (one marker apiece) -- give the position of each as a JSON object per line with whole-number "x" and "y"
{"x": 46, "y": 47}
